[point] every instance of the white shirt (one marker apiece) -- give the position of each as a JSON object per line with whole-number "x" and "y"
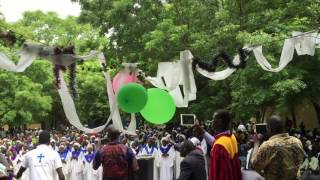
{"x": 42, "y": 163}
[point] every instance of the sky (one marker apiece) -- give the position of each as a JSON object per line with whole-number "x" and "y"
{"x": 13, "y": 9}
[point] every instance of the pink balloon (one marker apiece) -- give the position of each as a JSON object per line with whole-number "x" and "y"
{"x": 122, "y": 78}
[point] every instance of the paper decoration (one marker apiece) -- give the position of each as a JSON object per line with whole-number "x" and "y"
{"x": 70, "y": 110}
{"x": 217, "y": 76}
{"x": 30, "y": 51}
{"x": 172, "y": 74}
{"x": 211, "y": 66}
{"x": 304, "y": 44}
{"x": 72, "y": 116}
{"x": 238, "y": 61}
{"x": 27, "y": 54}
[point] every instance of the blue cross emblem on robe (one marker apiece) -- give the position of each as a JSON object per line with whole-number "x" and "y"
{"x": 40, "y": 157}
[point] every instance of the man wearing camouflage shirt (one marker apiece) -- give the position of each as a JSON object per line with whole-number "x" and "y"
{"x": 281, "y": 156}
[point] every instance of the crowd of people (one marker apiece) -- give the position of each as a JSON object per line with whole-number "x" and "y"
{"x": 232, "y": 151}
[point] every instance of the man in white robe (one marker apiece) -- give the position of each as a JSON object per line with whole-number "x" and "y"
{"x": 165, "y": 160}
{"x": 65, "y": 157}
{"x": 89, "y": 173}
{"x": 76, "y": 163}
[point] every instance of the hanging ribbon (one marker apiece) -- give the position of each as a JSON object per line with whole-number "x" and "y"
{"x": 209, "y": 69}
{"x": 172, "y": 74}
{"x": 30, "y": 51}
{"x": 70, "y": 110}
{"x": 27, "y": 54}
{"x": 303, "y": 43}
{"x": 72, "y": 116}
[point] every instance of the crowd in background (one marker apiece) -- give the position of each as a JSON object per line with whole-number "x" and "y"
{"x": 77, "y": 150}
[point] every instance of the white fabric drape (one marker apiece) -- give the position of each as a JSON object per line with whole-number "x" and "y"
{"x": 27, "y": 54}
{"x": 304, "y": 44}
{"x": 70, "y": 109}
{"x": 217, "y": 76}
{"x": 172, "y": 74}
{"x": 30, "y": 51}
{"x": 72, "y": 116}
{"x": 67, "y": 59}
{"x": 116, "y": 118}
{"x": 220, "y": 75}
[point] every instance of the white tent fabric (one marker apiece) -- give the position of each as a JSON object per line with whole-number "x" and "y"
{"x": 172, "y": 74}
{"x": 304, "y": 44}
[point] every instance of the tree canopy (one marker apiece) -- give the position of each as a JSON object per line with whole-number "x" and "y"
{"x": 151, "y": 31}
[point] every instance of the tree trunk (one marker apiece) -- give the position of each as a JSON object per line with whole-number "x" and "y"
{"x": 317, "y": 109}
{"x": 294, "y": 118}
{"x": 263, "y": 114}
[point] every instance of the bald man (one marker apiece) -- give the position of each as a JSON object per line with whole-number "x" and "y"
{"x": 281, "y": 156}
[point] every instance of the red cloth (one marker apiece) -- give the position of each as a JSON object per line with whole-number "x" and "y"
{"x": 222, "y": 165}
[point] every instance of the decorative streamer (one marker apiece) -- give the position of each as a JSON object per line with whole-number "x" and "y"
{"x": 72, "y": 116}
{"x": 172, "y": 74}
{"x": 30, "y": 51}
{"x": 303, "y": 43}
{"x": 72, "y": 80}
{"x": 212, "y": 65}
{"x": 27, "y": 54}
{"x": 70, "y": 110}
{"x": 56, "y": 69}
{"x": 208, "y": 69}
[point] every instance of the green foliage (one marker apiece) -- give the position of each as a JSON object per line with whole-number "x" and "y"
{"x": 150, "y": 31}
{"x": 30, "y": 96}
{"x": 205, "y": 27}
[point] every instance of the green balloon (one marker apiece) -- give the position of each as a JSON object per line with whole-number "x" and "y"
{"x": 160, "y": 107}
{"x": 132, "y": 98}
